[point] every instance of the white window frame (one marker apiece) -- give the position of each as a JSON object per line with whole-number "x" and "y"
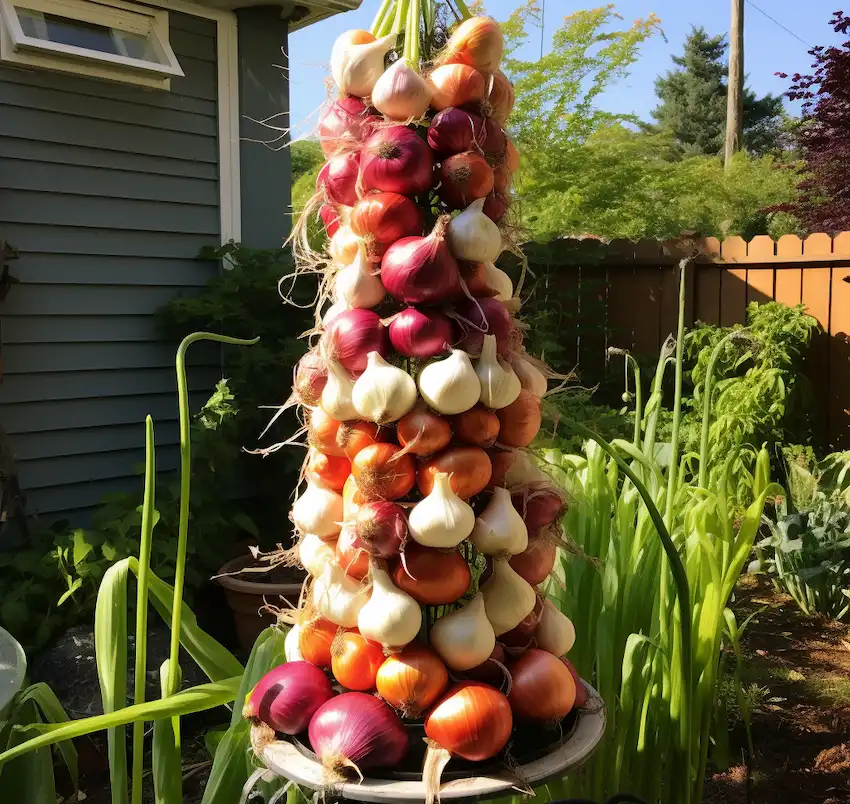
{"x": 18, "y": 48}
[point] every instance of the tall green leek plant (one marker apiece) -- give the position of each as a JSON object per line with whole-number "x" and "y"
{"x": 650, "y": 607}
{"x": 229, "y": 680}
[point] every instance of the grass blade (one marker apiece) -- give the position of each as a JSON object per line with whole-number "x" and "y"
{"x": 186, "y": 702}
{"x": 110, "y": 639}
{"x": 166, "y": 755}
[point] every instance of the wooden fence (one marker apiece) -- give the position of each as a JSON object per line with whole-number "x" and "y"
{"x": 628, "y": 291}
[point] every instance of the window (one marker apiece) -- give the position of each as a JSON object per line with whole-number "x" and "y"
{"x": 100, "y": 38}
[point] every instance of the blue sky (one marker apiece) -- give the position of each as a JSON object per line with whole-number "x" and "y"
{"x": 768, "y": 49}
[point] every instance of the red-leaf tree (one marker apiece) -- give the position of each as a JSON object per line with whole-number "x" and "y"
{"x": 824, "y": 135}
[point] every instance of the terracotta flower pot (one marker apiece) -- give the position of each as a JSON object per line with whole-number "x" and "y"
{"x": 249, "y": 592}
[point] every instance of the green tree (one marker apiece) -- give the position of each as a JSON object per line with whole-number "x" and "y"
{"x": 693, "y": 101}
{"x": 306, "y": 157}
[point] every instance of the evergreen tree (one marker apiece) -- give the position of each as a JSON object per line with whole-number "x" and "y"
{"x": 693, "y": 101}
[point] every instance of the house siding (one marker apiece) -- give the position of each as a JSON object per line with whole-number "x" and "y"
{"x": 108, "y": 191}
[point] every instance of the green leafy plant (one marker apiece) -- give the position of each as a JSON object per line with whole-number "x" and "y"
{"x": 807, "y": 555}
{"x": 659, "y": 552}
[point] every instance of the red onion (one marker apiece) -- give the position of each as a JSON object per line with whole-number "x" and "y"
{"x": 339, "y": 178}
{"x": 382, "y": 218}
{"x": 381, "y": 528}
{"x": 311, "y": 376}
{"x": 539, "y": 507}
{"x": 463, "y": 179}
{"x": 421, "y": 333}
{"x": 357, "y": 729}
{"x": 495, "y": 140}
{"x": 454, "y": 131}
{"x": 330, "y": 218}
{"x": 397, "y": 160}
{"x": 352, "y": 334}
{"x": 422, "y": 270}
{"x": 501, "y": 178}
{"x": 344, "y": 123}
{"x": 488, "y": 670}
{"x": 581, "y": 690}
{"x": 537, "y": 560}
{"x": 287, "y": 697}
{"x": 496, "y": 207}
{"x": 482, "y": 317}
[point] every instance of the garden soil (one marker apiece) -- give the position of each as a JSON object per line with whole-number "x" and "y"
{"x": 801, "y": 728}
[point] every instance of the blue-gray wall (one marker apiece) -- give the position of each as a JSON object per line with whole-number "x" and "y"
{"x": 109, "y": 191}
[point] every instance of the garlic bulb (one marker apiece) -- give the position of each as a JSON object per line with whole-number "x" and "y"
{"x": 318, "y": 511}
{"x": 337, "y": 394}
{"x": 555, "y": 633}
{"x": 337, "y": 597}
{"x": 464, "y": 639}
{"x": 508, "y": 598}
{"x": 450, "y": 385}
{"x": 442, "y": 519}
{"x": 499, "y": 528}
{"x": 530, "y": 377}
{"x": 314, "y": 554}
{"x": 524, "y": 471}
{"x": 356, "y": 286}
{"x": 391, "y": 617}
{"x": 500, "y": 385}
{"x": 291, "y": 645}
{"x": 356, "y": 68}
{"x": 344, "y": 245}
{"x": 499, "y": 281}
{"x": 401, "y": 93}
{"x": 472, "y": 236}
{"x": 383, "y": 393}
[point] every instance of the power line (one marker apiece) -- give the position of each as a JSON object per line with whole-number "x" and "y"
{"x": 777, "y": 22}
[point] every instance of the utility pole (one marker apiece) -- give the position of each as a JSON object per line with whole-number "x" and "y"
{"x": 735, "y": 96}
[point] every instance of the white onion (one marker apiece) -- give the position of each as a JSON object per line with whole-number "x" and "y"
{"x": 357, "y": 68}
{"x": 383, "y": 393}
{"x": 500, "y": 385}
{"x": 442, "y": 519}
{"x": 508, "y": 598}
{"x": 391, "y": 617}
{"x": 555, "y": 633}
{"x": 337, "y": 597}
{"x": 472, "y": 236}
{"x": 464, "y": 638}
{"x": 318, "y": 511}
{"x": 450, "y": 386}
{"x": 499, "y": 528}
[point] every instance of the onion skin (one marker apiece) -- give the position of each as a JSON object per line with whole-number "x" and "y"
{"x": 522, "y": 634}
{"x": 351, "y": 554}
{"x": 454, "y": 131}
{"x": 382, "y": 474}
{"x": 495, "y": 141}
{"x": 422, "y": 270}
{"x": 496, "y": 207}
{"x": 357, "y": 728}
{"x": 488, "y": 671}
{"x": 439, "y": 577}
{"x": 501, "y": 98}
{"x": 352, "y": 334}
{"x": 344, "y": 122}
{"x": 332, "y": 470}
{"x": 356, "y": 660}
{"x": 472, "y": 721}
{"x": 287, "y": 697}
{"x": 539, "y": 507}
{"x": 469, "y": 469}
{"x": 412, "y": 680}
{"x": 537, "y": 560}
{"x": 478, "y": 426}
{"x": 464, "y": 178}
{"x": 581, "y": 691}
{"x": 339, "y": 178}
{"x": 543, "y": 689}
{"x": 421, "y": 333}
{"x": 381, "y": 528}
{"x": 382, "y": 218}
{"x": 311, "y": 377}
{"x": 478, "y": 42}
{"x": 520, "y": 421}
{"x": 354, "y": 436}
{"x": 396, "y": 160}
{"x": 456, "y": 85}
{"x": 330, "y": 218}
{"x": 324, "y": 433}
{"x": 423, "y": 432}
{"x": 486, "y": 316}
{"x": 511, "y": 156}
{"x": 501, "y": 460}
{"x": 315, "y": 642}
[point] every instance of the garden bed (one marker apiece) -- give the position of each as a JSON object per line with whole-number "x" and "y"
{"x": 801, "y": 726}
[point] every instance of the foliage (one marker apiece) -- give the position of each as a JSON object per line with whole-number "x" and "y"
{"x": 650, "y": 628}
{"x": 693, "y": 101}
{"x": 807, "y": 555}
{"x": 760, "y": 395}
{"x": 585, "y": 170}
{"x": 30, "y": 778}
{"x": 824, "y": 136}
{"x": 306, "y": 156}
